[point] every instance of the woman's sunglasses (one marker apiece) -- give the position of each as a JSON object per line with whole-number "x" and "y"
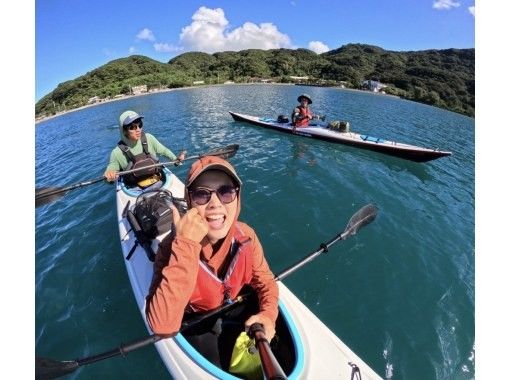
{"x": 135, "y": 125}
{"x": 202, "y": 195}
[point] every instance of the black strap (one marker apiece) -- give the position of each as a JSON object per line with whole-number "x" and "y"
{"x": 127, "y": 151}
{"x": 145, "y": 145}
{"x": 147, "y": 248}
{"x": 149, "y": 251}
{"x": 140, "y": 239}
{"x": 132, "y": 250}
{"x": 126, "y": 208}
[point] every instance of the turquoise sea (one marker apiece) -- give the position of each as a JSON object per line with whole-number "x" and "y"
{"x": 400, "y": 293}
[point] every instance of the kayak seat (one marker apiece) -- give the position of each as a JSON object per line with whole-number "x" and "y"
{"x": 372, "y": 139}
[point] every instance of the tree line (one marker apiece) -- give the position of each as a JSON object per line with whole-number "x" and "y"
{"x": 442, "y": 78}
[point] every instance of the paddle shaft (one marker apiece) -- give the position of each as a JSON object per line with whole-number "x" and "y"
{"x": 122, "y": 350}
{"x": 42, "y": 194}
{"x": 45, "y": 194}
{"x": 323, "y": 248}
{"x": 270, "y": 366}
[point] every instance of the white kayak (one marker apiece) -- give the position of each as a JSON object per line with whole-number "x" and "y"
{"x": 321, "y": 132}
{"x": 315, "y": 352}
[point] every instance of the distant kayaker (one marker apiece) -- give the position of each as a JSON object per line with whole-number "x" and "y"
{"x": 302, "y": 114}
{"x": 211, "y": 257}
{"x": 137, "y": 149}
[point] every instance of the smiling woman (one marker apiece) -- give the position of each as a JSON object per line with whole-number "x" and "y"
{"x": 208, "y": 261}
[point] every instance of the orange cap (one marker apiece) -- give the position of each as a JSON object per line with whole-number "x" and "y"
{"x": 208, "y": 163}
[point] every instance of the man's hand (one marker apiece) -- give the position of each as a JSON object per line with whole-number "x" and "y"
{"x": 110, "y": 175}
{"x": 180, "y": 158}
{"x": 182, "y": 155}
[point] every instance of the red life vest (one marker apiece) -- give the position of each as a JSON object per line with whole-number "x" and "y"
{"x": 210, "y": 291}
{"x": 303, "y": 112}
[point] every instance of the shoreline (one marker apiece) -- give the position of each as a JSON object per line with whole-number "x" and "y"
{"x": 42, "y": 119}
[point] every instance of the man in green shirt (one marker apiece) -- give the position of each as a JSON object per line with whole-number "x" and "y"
{"x": 135, "y": 150}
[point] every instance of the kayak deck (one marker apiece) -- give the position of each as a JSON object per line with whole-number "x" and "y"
{"x": 316, "y": 352}
{"x": 392, "y": 148}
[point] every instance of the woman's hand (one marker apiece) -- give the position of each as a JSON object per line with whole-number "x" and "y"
{"x": 191, "y": 226}
{"x": 269, "y": 327}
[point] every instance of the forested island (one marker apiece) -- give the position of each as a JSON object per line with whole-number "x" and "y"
{"x": 442, "y": 78}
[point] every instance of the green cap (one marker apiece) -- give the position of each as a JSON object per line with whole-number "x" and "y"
{"x": 128, "y": 117}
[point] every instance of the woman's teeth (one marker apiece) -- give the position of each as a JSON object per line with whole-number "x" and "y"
{"x": 216, "y": 221}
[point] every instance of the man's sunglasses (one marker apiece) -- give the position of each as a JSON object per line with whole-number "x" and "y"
{"x": 135, "y": 124}
{"x": 202, "y": 195}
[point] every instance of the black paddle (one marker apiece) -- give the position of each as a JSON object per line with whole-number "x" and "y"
{"x": 364, "y": 216}
{"x": 51, "y": 369}
{"x": 44, "y": 195}
{"x": 270, "y": 366}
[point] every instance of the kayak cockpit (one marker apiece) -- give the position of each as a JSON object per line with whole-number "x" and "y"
{"x": 166, "y": 182}
{"x": 287, "y": 345}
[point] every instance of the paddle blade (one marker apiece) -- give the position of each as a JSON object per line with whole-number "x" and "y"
{"x": 364, "y": 216}
{"x": 46, "y": 369}
{"x": 44, "y": 195}
{"x": 225, "y": 152}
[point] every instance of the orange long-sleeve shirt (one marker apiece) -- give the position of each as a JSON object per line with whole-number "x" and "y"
{"x": 175, "y": 275}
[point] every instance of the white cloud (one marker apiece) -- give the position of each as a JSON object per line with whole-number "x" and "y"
{"x": 445, "y": 4}
{"x": 132, "y": 49}
{"x": 145, "y": 34}
{"x": 165, "y": 48}
{"x": 209, "y": 33}
{"x": 318, "y": 47}
{"x": 472, "y": 10}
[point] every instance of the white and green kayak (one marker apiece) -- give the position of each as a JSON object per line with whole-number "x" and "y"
{"x": 312, "y": 351}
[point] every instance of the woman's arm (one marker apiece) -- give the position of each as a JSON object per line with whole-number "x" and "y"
{"x": 175, "y": 274}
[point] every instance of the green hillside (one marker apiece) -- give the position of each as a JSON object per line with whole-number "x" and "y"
{"x": 443, "y": 78}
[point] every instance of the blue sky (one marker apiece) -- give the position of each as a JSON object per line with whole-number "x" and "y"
{"x": 74, "y": 37}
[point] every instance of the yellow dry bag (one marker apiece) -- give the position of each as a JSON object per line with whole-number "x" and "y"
{"x": 245, "y": 360}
